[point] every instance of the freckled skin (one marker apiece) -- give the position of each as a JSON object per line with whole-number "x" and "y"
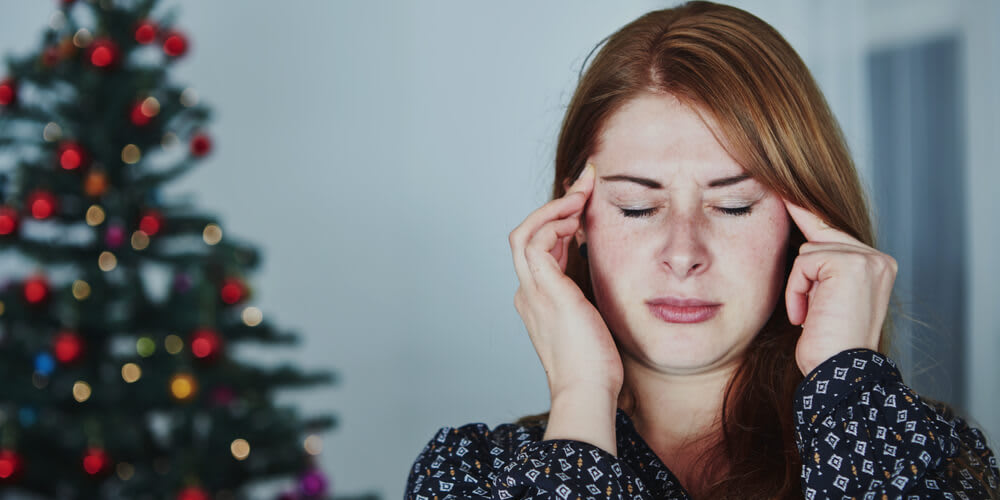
{"x": 687, "y": 248}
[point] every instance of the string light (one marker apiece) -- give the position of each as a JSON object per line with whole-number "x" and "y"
{"x": 212, "y": 234}
{"x": 131, "y": 372}
{"x": 81, "y": 290}
{"x": 150, "y": 107}
{"x": 125, "y": 471}
{"x": 183, "y": 386}
{"x": 81, "y": 391}
{"x": 140, "y": 240}
{"x": 107, "y": 261}
{"x": 252, "y": 316}
{"x": 52, "y": 132}
{"x": 313, "y": 444}
{"x": 82, "y": 38}
{"x": 173, "y": 343}
{"x": 189, "y": 97}
{"x": 240, "y": 449}
{"x": 57, "y": 20}
{"x": 131, "y": 154}
{"x": 145, "y": 346}
{"x": 95, "y": 215}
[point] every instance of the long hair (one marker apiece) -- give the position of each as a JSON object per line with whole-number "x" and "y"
{"x": 774, "y": 121}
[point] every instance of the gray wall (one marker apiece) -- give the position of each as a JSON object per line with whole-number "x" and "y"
{"x": 380, "y": 152}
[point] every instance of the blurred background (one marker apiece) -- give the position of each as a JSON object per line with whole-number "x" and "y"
{"x": 379, "y": 153}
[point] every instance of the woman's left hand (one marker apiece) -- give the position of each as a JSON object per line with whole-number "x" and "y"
{"x": 838, "y": 290}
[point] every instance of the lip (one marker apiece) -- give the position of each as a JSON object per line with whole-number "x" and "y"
{"x": 678, "y": 310}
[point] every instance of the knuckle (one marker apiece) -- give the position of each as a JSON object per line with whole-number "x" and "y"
{"x": 893, "y": 265}
{"x": 514, "y": 237}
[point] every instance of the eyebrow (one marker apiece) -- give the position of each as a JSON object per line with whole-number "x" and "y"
{"x": 652, "y": 184}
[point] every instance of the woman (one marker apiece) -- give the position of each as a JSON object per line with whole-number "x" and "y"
{"x": 705, "y": 297}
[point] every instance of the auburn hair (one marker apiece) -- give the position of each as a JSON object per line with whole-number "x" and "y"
{"x": 774, "y": 121}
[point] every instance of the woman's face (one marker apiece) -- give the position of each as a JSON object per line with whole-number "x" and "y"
{"x": 674, "y": 219}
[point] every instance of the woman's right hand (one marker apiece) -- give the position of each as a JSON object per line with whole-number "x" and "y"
{"x": 570, "y": 336}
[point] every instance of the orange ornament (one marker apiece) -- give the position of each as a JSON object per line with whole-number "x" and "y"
{"x": 96, "y": 184}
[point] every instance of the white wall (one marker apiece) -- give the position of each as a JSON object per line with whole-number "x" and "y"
{"x": 380, "y": 153}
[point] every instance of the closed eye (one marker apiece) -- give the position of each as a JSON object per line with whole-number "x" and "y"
{"x": 646, "y": 212}
{"x": 735, "y": 210}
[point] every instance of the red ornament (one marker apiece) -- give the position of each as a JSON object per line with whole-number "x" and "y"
{"x": 8, "y": 92}
{"x": 103, "y": 53}
{"x": 200, "y": 145}
{"x": 68, "y": 347}
{"x": 96, "y": 462}
{"x": 151, "y": 222}
{"x": 42, "y": 204}
{"x": 139, "y": 118}
{"x": 175, "y": 44}
{"x": 145, "y": 32}
{"x": 192, "y": 493}
{"x": 71, "y": 155}
{"x": 10, "y": 466}
{"x": 206, "y": 344}
{"x": 36, "y": 289}
{"x": 8, "y": 220}
{"x": 233, "y": 291}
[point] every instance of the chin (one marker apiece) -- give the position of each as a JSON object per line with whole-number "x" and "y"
{"x": 684, "y": 349}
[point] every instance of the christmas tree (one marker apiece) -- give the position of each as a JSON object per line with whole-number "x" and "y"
{"x": 117, "y": 372}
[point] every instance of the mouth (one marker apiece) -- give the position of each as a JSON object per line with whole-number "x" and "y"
{"x": 677, "y": 310}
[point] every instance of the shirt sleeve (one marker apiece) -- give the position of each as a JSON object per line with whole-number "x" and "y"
{"x": 862, "y": 433}
{"x": 471, "y": 462}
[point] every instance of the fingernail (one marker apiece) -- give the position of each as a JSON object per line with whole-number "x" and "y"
{"x": 587, "y": 168}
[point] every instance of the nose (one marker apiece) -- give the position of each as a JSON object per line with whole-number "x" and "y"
{"x": 684, "y": 251}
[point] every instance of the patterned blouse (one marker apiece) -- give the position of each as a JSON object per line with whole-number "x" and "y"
{"x": 861, "y": 433}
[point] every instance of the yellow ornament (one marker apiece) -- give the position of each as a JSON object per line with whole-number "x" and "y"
{"x": 183, "y": 387}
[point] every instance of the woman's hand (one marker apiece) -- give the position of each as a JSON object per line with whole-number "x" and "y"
{"x": 838, "y": 290}
{"x": 569, "y": 334}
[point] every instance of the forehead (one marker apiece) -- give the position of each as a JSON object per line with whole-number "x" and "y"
{"x": 659, "y": 135}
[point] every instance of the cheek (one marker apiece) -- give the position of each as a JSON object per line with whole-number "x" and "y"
{"x": 761, "y": 247}
{"x": 613, "y": 237}
{"x": 614, "y": 246}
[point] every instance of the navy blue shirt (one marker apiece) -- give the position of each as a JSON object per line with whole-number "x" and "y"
{"x": 861, "y": 433}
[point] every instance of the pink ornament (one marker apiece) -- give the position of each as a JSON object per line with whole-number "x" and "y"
{"x": 115, "y": 236}
{"x": 312, "y": 483}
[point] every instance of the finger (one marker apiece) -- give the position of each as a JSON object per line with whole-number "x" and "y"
{"x": 539, "y": 254}
{"x": 544, "y": 241}
{"x": 564, "y": 245}
{"x": 568, "y": 206}
{"x": 814, "y": 247}
{"x": 814, "y": 228}
{"x": 559, "y": 208}
{"x": 549, "y": 237}
{"x": 584, "y": 183}
{"x": 801, "y": 280}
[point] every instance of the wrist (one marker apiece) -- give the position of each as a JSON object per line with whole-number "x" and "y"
{"x": 584, "y": 414}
